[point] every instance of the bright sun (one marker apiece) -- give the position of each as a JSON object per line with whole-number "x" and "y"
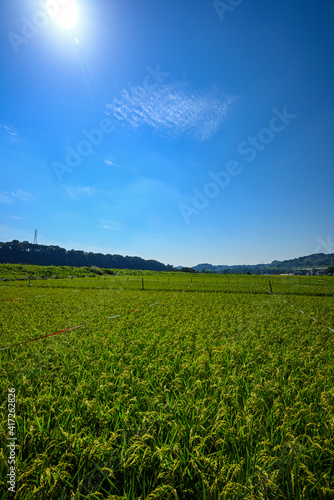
{"x": 64, "y": 13}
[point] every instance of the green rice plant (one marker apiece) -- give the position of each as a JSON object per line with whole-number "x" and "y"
{"x": 211, "y": 388}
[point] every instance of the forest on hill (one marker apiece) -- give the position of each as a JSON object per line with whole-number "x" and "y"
{"x": 16, "y": 252}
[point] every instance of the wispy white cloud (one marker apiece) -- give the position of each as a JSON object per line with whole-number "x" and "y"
{"x": 109, "y": 224}
{"x": 172, "y": 108}
{"x": 9, "y": 196}
{"x": 76, "y": 192}
{"x": 111, "y": 227}
{"x": 4, "y": 198}
{"x": 23, "y": 195}
{"x": 109, "y": 162}
{"x": 9, "y": 129}
{"x": 14, "y": 217}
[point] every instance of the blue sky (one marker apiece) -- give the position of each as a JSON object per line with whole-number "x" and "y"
{"x": 180, "y": 131}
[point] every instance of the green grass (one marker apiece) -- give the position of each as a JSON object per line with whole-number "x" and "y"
{"x": 220, "y": 391}
{"x": 23, "y": 271}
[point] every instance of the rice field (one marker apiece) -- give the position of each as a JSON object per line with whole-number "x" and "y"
{"x": 167, "y": 386}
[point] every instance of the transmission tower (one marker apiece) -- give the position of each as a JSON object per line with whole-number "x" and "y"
{"x": 35, "y": 238}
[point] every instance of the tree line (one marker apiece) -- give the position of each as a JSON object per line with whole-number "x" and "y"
{"x": 16, "y": 252}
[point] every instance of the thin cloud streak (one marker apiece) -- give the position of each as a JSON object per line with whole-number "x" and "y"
{"x": 77, "y": 192}
{"x": 110, "y": 224}
{"x": 172, "y": 108}
{"x": 4, "y": 198}
{"x": 23, "y": 195}
{"x": 9, "y": 129}
{"x": 9, "y": 196}
{"x": 111, "y": 227}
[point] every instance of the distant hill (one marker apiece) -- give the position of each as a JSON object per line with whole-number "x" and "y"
{"x": 276, "y": 267}
{"x": 16, "y": 252}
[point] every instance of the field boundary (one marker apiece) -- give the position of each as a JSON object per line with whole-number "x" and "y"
{"x": 314, "y": 319}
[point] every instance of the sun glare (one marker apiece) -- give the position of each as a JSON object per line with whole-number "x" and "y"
{"x": 65, "y": 14}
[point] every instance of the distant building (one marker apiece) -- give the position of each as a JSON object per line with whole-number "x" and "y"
{"x": 315, "y": 271}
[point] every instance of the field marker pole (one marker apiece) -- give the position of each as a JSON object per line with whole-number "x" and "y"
{"x": 271, "y": 290}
